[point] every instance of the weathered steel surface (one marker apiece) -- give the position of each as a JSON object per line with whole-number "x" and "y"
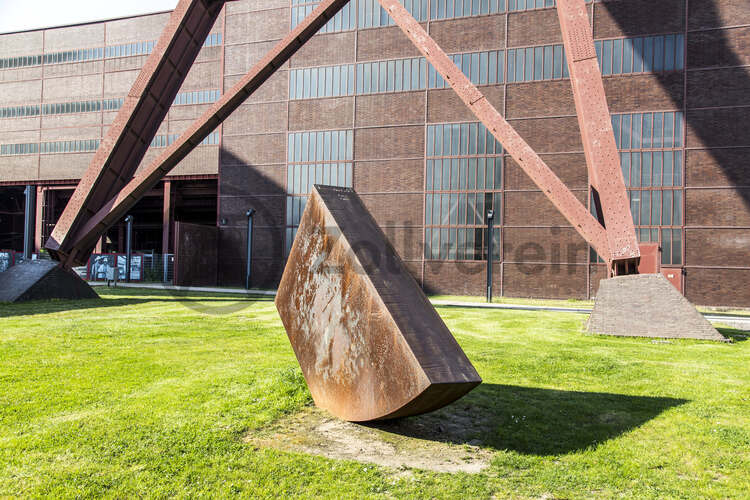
{"x": 558, "y": 193}
{"x": 599, "y": 145}
{"x": 370, "y": 344}
{"x": 135, "y": 125}
{"x": 118, "y": 205}
{"x": 647, "y": 305}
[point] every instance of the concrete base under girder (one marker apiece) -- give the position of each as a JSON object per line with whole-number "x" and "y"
{"x": 647, "y": 305}
{"x": 42, "y": 280}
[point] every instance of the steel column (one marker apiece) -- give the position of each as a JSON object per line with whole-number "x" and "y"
{"x": 602, "y": 158}
{"x": 28, "y": 221}
{"x": 490, "y": 220}
{"x": 249, "y": 261}
{"x": 128, "y": 245}
{"x": 166, "y": 218}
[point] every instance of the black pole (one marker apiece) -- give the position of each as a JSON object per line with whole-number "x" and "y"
{"x": 249, "y": 263}
{"x": 490, "y": 217}
{"x": 128, "y": 245}
{"x": 28, "y": 223}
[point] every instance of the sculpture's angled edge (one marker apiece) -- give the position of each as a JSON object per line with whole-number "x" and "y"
{"x": 370, "y": 344}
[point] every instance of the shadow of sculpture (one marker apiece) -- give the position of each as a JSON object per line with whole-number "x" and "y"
{"x": 531, "y": 420}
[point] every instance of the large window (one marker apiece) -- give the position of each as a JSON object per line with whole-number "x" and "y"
{"x": 537, "y": 63}
{"x": 514, "y": 5}
{"x": 463, "y": 180}
{"x": 319, "y": 157}
{"x": 344, "y": 20}
{"x": 397, "y": 75}
{"x": 482, "y": 68}
{"x": 183, "y": 98}
{"x": 92, "y": 54}
{"x": 324, "y": 81}
{"x": 372, "y": 15}
{"x": 446, "y": 9}
{"x": 641, "y": 55}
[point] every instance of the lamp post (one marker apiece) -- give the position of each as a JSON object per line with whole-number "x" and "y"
{"x": 28, "y": 223}
{"x": 249, "y": 263}
{"x": 128, "y": 245}
{"x": 490, "y": 218}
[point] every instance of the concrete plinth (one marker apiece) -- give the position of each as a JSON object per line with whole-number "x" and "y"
{"x": 42, "y": 280}
{"x": 647, "y": 305}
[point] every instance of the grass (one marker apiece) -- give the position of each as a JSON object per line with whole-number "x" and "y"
{"x": 143, "y": 393}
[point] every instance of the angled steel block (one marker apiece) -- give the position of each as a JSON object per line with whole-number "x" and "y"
{"x": 370, "y": 344}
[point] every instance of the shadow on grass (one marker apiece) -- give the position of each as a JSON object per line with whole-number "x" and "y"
{"x": 735, "y": 334}
{"x": 533, "y": 421}
{"x": 190, "y": 300}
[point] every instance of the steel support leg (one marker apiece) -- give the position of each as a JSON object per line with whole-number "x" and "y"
{"x": 558, "y": 193}
{"x": 599, "y": 145}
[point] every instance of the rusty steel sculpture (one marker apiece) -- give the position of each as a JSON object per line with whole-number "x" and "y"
{"x": 370, "y": 344}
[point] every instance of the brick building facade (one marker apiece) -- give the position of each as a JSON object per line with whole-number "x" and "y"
{"x": 358, "y": 106}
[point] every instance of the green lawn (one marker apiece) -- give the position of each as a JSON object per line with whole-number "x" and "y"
{"x": 143, "y": 393}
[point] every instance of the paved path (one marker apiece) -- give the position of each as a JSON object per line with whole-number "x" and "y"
{"x": 734, "y": 321}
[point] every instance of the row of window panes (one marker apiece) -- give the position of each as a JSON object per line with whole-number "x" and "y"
{"x": 537, "y": 63}
{"x": 482, "y": 68}
{"x": 461, "y": 174}
{"x": 196, "y": 97}
{"x": 460, "y": 243}
{"x": 326, "y": 81}
{"x": 76, "y": 146}
{"x": 641, "y": 55}
{"x": 392, "y": 76}
{"x": 302, "y": 177}
{"x": 648, "y": 130}
{"x": 85, "y": 145}
{"x": 162, "y": 141}
{"x": 447, "y": 9}
{"x": 656, "y": 207}
{"x": 372, "y": 15}
{"x": 515, "y": 5}
{"x": 92, "y": 54}
{"x": 652, "y": 168}
{"x": 344, "y": 20}
{"x": 317, "y": 146}
{"x": 461, "y": 139}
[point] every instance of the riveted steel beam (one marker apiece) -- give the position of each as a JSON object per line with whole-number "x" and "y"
{"x": 114, "y": 209}
{"x": 135, "y": 125}
{"x": 558, "y": 193}
{"x": 602, "y": 158}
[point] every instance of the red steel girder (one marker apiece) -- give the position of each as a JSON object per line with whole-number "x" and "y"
{"x": 114, "y": 209}
{"x": 558, "y": 193}
{"x": 599, "y": 145}
{"x": 135, "y": 125}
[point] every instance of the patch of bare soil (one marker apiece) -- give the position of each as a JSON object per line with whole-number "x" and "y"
{"x": 388, "y": 444}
